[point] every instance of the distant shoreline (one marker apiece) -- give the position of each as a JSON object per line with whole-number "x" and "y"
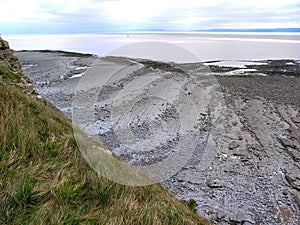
{"x": 67, "y": 53}
{"x": 263, "y": 30}
{"x": 83, "y": 54}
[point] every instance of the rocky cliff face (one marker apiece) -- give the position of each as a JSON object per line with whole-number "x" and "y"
{"x": 8, "y": 57}
{"x": 10, "y": 62}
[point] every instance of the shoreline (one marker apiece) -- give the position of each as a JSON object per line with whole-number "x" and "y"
{"x": 208, "y": 61}
{"x": 66, "y": 53}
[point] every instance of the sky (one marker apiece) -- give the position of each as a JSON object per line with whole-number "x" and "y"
{"x": 96, "y": 16}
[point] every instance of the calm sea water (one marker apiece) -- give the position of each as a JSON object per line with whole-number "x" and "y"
{"x": 179, "y": 47}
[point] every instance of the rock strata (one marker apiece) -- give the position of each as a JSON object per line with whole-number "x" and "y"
{"x": 245, "y": 166}
{"x": 10, "y": 60}
{"x": 8, "y": 57}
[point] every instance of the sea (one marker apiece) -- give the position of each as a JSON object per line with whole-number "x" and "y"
{"x": 170, "y": 47}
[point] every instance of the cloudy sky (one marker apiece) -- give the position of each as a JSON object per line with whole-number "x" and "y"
{"x": 94, "y": 16}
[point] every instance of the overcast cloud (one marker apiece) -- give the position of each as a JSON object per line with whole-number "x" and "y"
{"x": 78, "y": 16}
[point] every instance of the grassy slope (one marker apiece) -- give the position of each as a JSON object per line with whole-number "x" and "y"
{"x": 44, "y": 179}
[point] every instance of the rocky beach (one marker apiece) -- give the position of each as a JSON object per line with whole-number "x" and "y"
{"x": 238, "y": 123}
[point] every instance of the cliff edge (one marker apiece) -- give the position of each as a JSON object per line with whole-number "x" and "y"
{"x": 9, "y": 62}
{"x": 8, "y": 57}
{"x": 44, "y": 178}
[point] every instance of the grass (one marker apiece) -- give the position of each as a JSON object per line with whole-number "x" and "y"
{"x": 8, "y": 75}
{"x": 45, "y": 180}
{"x": 219, "y": 120}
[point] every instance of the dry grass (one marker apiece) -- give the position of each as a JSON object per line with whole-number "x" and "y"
{"x": 44, "y": 179}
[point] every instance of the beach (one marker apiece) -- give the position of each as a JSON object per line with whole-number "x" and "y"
{"x": 238, "y": 122}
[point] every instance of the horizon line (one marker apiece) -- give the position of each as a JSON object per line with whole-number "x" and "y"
{"x": 232, "y": 30}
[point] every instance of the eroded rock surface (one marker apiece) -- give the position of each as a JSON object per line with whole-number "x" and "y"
{"x": 10, "y": 62}
{"x": 255, "y": 176}
{"x": 244, "y": 168}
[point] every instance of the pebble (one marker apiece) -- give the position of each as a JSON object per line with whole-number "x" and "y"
{"x": 233, "y": 145}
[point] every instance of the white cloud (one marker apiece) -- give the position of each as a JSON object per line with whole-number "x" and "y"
{"x": 271, "y": 4}
{"x": 22, "y": 11}
{"x": 154, "y": 14}
{"x": 130, "y": 11}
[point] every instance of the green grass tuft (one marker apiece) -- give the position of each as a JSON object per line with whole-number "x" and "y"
{"x": 192, "y": 204}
